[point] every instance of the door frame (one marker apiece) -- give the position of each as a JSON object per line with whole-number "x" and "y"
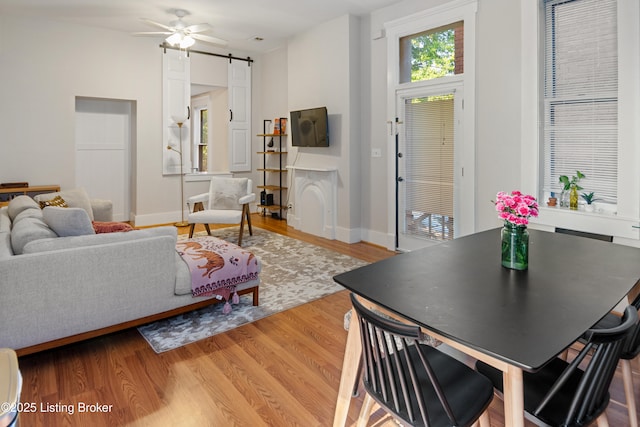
{"x": 106, "y": 185}
{"x": 450, "y": 87}
{"x": 454, "y": 11}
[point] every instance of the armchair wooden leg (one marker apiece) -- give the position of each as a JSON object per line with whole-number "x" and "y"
{"x": 206, "y": 227}
{"x": 247, "y": 212}
{"x": 191, "y": 228}
{"x": 241, "y": 229}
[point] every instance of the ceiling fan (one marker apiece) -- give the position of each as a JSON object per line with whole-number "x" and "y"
{"x": 180, "y": 34}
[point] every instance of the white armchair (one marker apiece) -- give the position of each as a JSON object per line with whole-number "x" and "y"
{"x": 227, "y": 202}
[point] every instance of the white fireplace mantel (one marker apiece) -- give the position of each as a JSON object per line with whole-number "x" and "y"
{"x": 315, "y": 193}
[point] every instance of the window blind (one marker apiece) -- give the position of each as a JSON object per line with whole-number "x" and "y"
{"x": 429, "y": 155}
{"x": 580, "y": 128}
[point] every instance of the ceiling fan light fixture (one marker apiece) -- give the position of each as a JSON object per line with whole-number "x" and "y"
{"x": 187, "y": 42}
{"x": 174, "y": 39}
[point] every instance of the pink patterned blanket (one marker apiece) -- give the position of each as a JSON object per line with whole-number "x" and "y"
{"x": 217, "y": 266}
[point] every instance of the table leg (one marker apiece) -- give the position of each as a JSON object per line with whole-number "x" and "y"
{"x": 352, "y": 355}
{"x": 513, "y": 397}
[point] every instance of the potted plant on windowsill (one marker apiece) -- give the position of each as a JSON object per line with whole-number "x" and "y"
{"x": 572, "y": 186}
{"x": 589, "y": 198}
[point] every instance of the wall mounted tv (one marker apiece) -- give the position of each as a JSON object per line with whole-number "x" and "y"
{"x": 310, "y": 128}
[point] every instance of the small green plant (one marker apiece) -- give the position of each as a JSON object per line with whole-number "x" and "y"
{"x": 573, "y": 182}
{"x": 589, "y": 197}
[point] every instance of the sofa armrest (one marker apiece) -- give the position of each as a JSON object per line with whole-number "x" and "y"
{"x": 61, "y": 293}
{"x": 102, "y": 210}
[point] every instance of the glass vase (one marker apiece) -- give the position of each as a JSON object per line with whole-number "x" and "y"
{"x": 573, "y": 199}
{"x": 515, "y": 246}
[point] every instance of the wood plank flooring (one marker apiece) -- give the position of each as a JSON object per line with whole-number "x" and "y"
{"x": 283, "y": 370}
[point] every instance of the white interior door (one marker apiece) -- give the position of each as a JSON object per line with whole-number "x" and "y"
{"x": 428, "y": 148}
{"x": 103, "y": 146}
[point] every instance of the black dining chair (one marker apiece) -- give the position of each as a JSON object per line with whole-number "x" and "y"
{"x": 416, "y": 383}
{"x": 630, "y": 352}
{"x": 566, "y": 394}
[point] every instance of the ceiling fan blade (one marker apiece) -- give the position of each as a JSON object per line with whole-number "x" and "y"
{"x": 157, "y": 24}
{"x": 197, "y": 28}
{"x": 152, "y": 33}
{"x": 209, "y": 39}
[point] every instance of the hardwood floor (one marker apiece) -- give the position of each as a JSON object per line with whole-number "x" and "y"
{"x": 282, "y": 370}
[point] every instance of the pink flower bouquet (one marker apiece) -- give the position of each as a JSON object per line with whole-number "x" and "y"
{"x": 516, "y": 207}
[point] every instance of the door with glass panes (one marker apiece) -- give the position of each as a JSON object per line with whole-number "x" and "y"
{"x": 427, "y": 144}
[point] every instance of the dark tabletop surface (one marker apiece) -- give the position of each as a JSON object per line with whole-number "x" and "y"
{"x": 459, "y": 289}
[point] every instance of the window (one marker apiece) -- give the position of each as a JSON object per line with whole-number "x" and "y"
{"x": 204, "y": 138}
{"x": 201, "y": 138}
{"x": 580, "y": 102}
{"x": 431, "y": 54}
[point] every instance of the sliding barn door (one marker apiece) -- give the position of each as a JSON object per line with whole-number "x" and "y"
{"x": 239, "y": 116}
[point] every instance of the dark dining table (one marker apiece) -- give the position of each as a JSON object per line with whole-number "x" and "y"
{"x": 516, "y": 321}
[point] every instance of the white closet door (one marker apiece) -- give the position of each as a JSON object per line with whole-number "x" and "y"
{"x": 239, "y": 116}
{"x": 103, "y": 145}
{"x": 176, "y": 80}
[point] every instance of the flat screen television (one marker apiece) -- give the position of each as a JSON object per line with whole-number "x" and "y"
{"x": 310, "y": 128}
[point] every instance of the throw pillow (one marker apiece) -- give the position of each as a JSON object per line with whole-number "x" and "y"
{"x": 56, "y": 201}
{"x": 110, "y": 227}
{"x": 68, "y": 221}
{"x": 75, "y": 198}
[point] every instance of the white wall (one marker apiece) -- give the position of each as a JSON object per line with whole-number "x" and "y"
{"x": 45, "y": 66}
{"x": 323, "y": 70}
{"x": 497, "y": 107}
{"x": 338, "y": 64}
{"x": 498, "y": 82}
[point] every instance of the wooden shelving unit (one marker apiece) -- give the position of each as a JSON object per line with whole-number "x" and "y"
{"x": 272, "y": 164}
{"x": 8, "y": 193}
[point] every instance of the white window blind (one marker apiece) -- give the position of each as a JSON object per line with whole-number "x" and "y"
{"x": 581, "y": 95}
{"x": 429, "y": 155}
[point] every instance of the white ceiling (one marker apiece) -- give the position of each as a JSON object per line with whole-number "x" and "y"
{"x": 237, "y": 21}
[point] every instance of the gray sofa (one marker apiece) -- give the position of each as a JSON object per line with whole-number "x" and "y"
{"x": 56, "y": 290}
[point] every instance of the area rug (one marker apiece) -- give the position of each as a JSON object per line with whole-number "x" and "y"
{"x": 293, "y": 273}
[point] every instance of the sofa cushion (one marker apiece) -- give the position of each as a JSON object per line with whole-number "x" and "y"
{"x": 28, "y": 230}
{"x": 75, "y": 198}
{"x": 5, "y": 221}
{"x": 28, "y": 213}
{"x": 56, "y": 201}
{"x": 68, "y": 221}
{"x": 5, "y": 245}
{"x": 20, "y": 203}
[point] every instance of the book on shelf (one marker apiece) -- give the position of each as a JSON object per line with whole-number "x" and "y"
{"x": 21, "y": 184}
{"x": 279, "y": 126}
